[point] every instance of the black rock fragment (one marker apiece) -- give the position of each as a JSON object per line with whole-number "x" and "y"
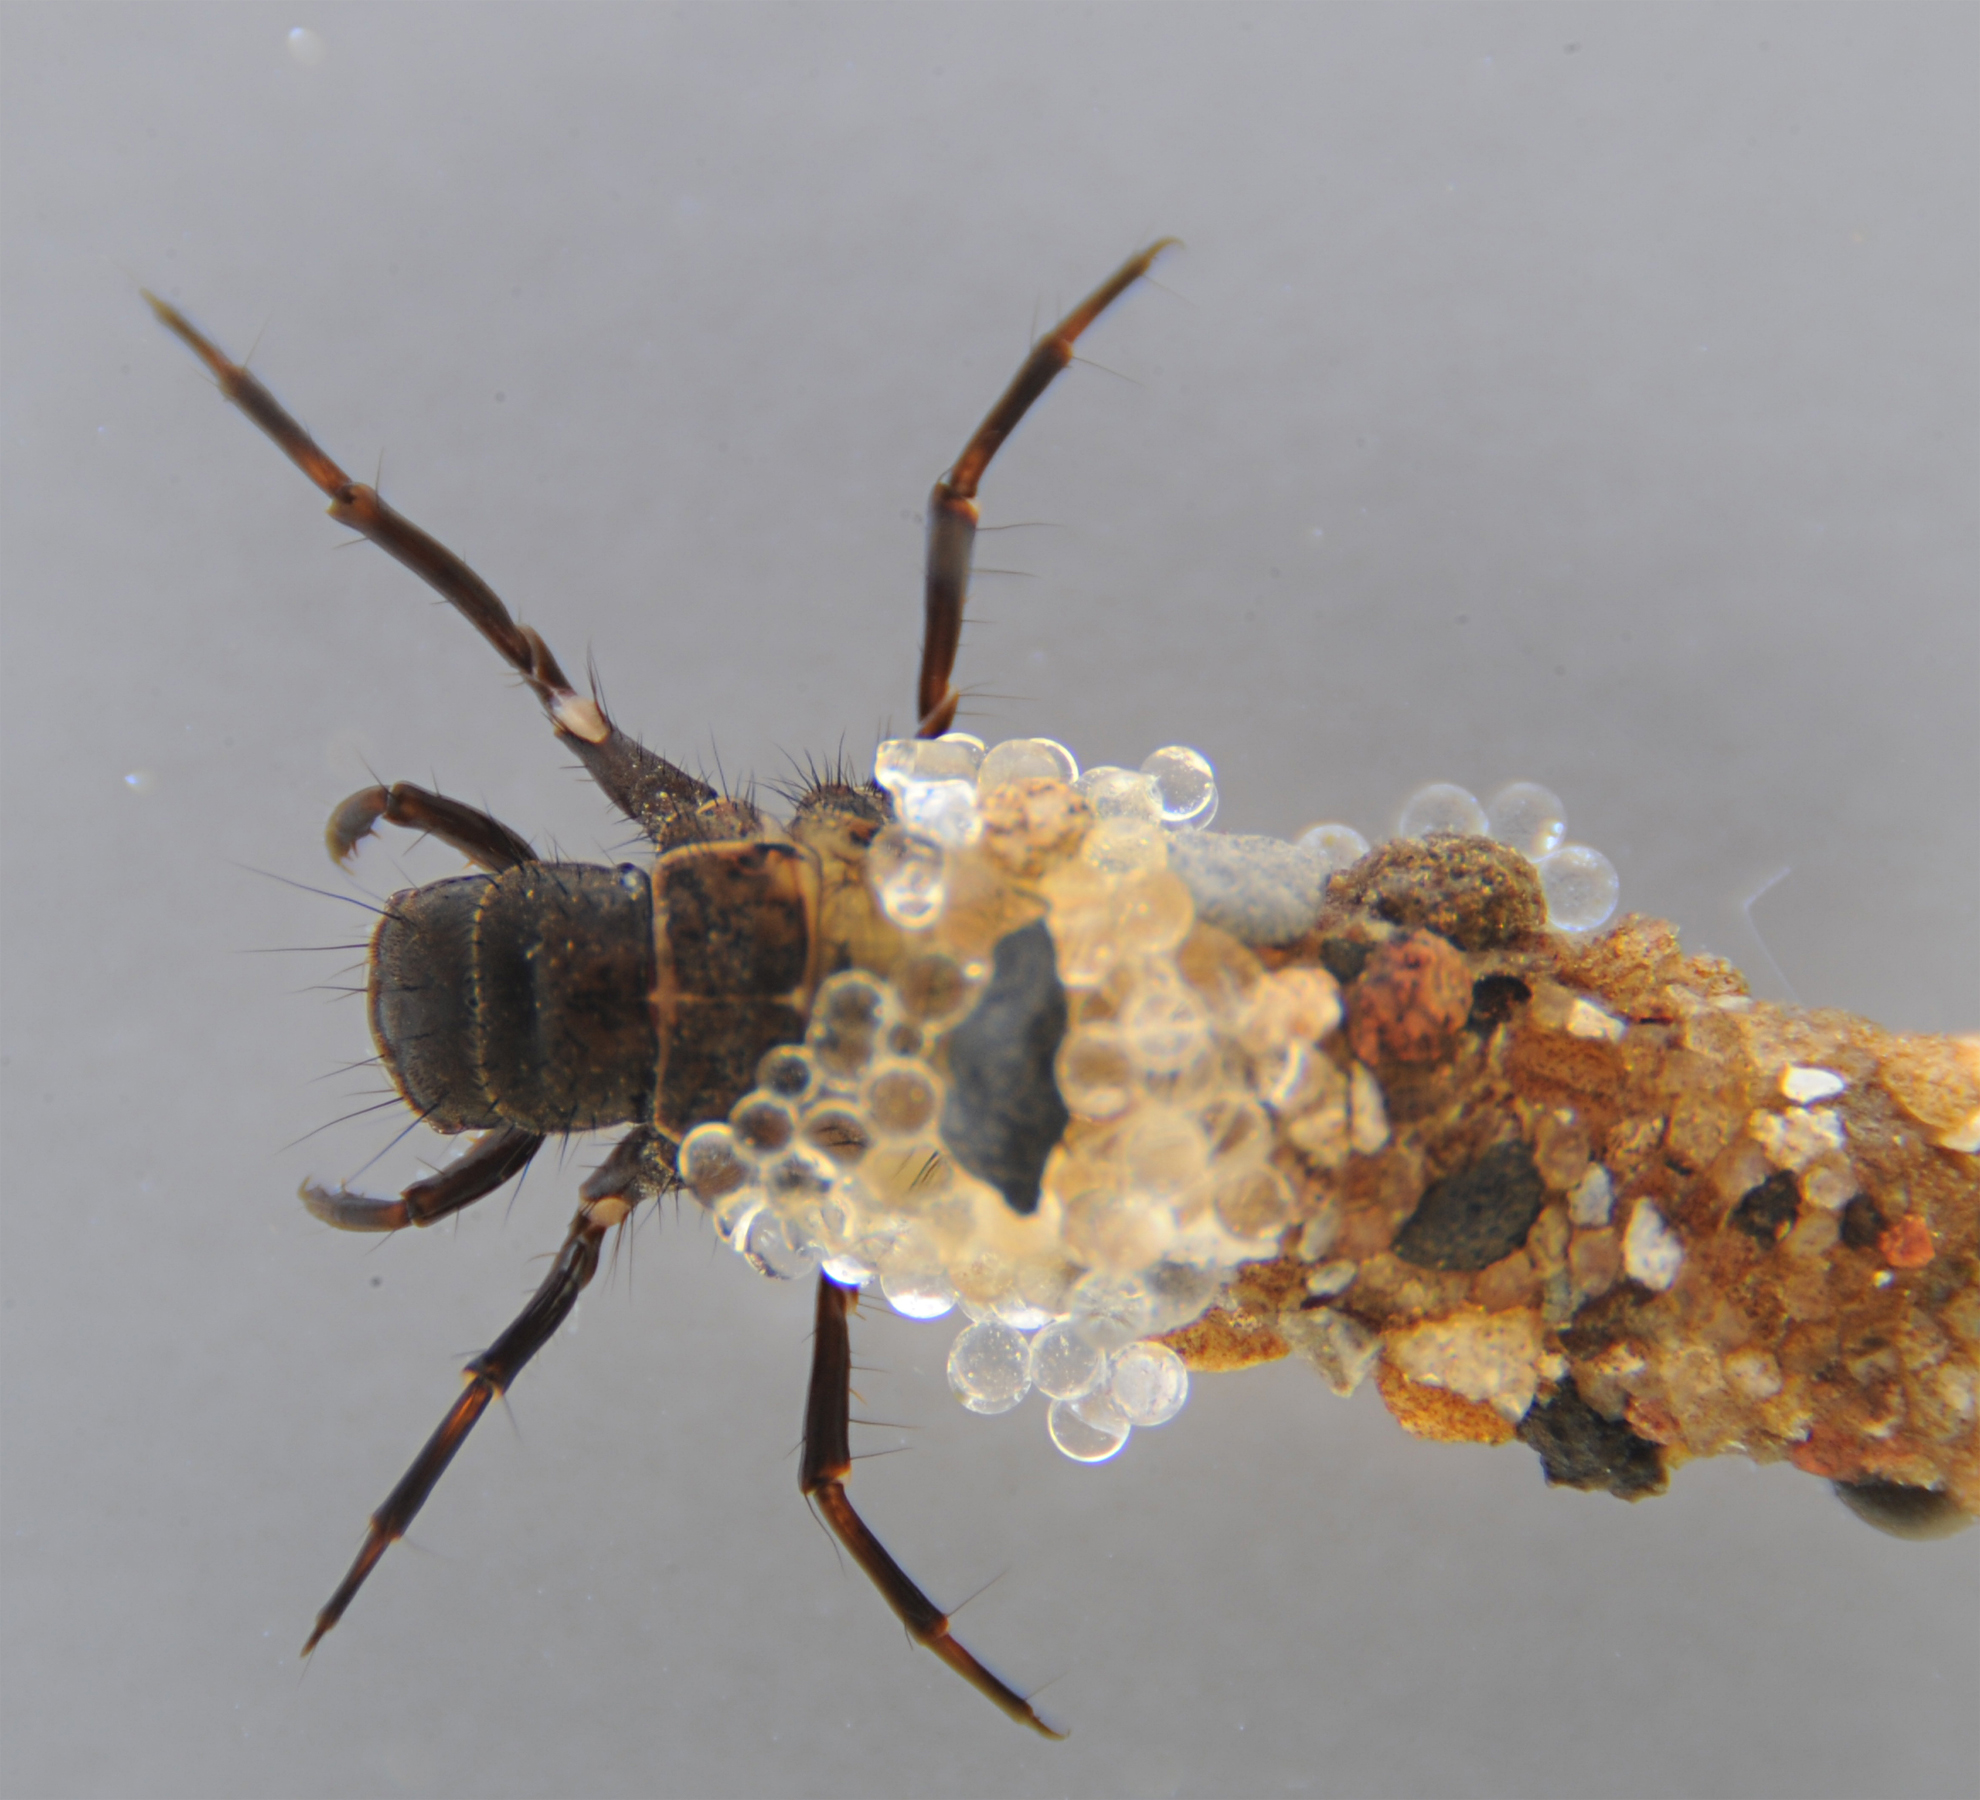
{"x": 1004, "y": 1113}
{"x": 1492, "y": 999}
{"x": 1767, "y": 1213}
{"x": 1344, "y": 958}
{"x": 1578, "y": 1448}
{"x": 1862, "y": 1223}
{"x": 1469, "y": 1220}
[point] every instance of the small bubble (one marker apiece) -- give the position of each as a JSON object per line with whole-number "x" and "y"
{"x": 1084, "y": 1439}
{"x": 1528, "y": 817}
{"x": 990, "y": 1368}
{"x": 1336, "y": 846}
{"x": 1441, "y": 807}
{"x": 1581, "y": 887}
{"x": 306, "y": 47}
{"x": 1187, "y": 784}
{"x": 1149, "y": 1383}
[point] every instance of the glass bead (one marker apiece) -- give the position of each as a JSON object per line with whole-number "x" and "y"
{"x": 1082, "y": 1439}
{"x": 764, "y": 1125}
{"x": 787, "y": 1072}
{"x": 798, "y": 1179}
{"x": 1121, "y": 793}
{"x": 1179, "y": 1292}
{"x": 1164, "y": 1153}
{"x": 731, "y": 1215}
{"x": 900, "y": 1098}
{"x": 1187, "y": 785}
{"x": 1581, "y": 887}
{"x": 990, "y": 1368}
{"x": 909, "y": 878}
{"x": 1441, "y": 807}
{"x": 848, "y": 1269}
{"x": 1528, "y": 817}
{"x": 1120, "y": 1232}
{"x": 1111, "y": 1310}
{"x": 1125, "y": 847}
{"x": 1096, "y": 1079}
{"x": 943, "y": 812}
{"x": 1256, "y": 1203}
{"x": 847, "y": 1019}
{"x": 912, "y": 1279}
{"x": 1025, "y": 759}
{"x": 773, "y": 1247}
{"x": 931, "y": 988}
{"x": 1148, "y": 1382}
{"x": 901, "y": 763}
{"x": 710, "y": 1163}
{"x": 984, "y": 1280}
{"x": 1335, "y": 847}
{"x": 1064, "y": 1366}
{"x": 1154, "y": 914}
{"x": 840, "y": 1132}
{"x": 1164, "y": 1026}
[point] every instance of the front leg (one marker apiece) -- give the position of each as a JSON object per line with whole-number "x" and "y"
{"x": 647, "y": 788}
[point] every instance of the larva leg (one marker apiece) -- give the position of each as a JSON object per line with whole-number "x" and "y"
{"x": 647, "y": 788}
{"x": 483, "y": 840}
{"x": 494, "y": 1158}
{"x": 952, "y": 511}
{"x": 640, "y": 1165}
{"x": 828, "y": 1463}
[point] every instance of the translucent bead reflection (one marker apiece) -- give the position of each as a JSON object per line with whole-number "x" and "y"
{"x": 1187, "y": 785}
{"x": 1528, "y": 817}
{"x": 1149, "y": 1383}
{"x": 1084, "y": 1432}
{"x": 1336, "y": 846}
{"x": 1022, "y": 759}
{"x": 1441, "y": 807}
{"x": 990, "y": 1368}
{"x": 1064, "y": 1365}
{"x": 1581, "y": 886}
{"x": 1121, "y": 793}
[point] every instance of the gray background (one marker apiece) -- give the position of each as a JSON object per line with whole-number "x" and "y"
{"x": 1582, "y": 394}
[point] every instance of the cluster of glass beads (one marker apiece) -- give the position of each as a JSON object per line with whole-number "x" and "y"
{"x": 1180, "y": 1083}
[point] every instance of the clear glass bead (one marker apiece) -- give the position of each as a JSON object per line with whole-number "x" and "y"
{"x": 800, "y": 1178}
{"x": 1096, "y": 1077}
{"x": 788, "y": 1073}
{"x": 1528, "y": 817}
{"x": 1441, "y": 807}
{"x": 1187, "y": 785}
{"x": 1025, "y": 759}
{"x": 1121, "y": 793}
{"x": 773, "y": 1247}
{"x": 1064, "y": 1366}
{"x": 912, "y": 1279}
{"x": 711, "y": 1164}
{"x": 1111, "y": 1310}
{"x": 1179, "y": 1292}
{"x": 1581, "y": 886}
{"x": 1164, "y": 1026}
{"x": 1122, "y": 846}
{"x": 900, "y": 1098}
{"x": 944, "y": 812}
{"x": 1255, "y": 1203}
{"x": 840, "y": 1132}
{"x": 908, "y": 874}
{"x": 901, "y": 763}
{"x": 990, "y": 1368}
{"x": 764, "y": 1125}
{"x": 1335, "y": 846}
{"x": 1087, "y": 1440}
{"x": 1148, "y": 1382}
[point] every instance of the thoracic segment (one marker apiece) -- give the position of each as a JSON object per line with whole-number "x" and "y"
{"x": 1582, "y": 1190}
